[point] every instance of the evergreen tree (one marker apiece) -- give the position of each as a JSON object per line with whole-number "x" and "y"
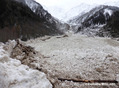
{"x": 3, "y": 4}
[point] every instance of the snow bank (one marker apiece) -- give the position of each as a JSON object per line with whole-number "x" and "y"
{"x": 13, "y": 74}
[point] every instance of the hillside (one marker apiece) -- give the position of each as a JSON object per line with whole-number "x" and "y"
{"x": 101, "y": 21}
{"x": 19, "y": 21}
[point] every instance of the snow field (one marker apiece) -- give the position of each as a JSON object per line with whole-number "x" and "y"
{"x": 79, "y": 56}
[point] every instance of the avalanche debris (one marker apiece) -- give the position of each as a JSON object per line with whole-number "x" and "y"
{"x": 13, "y": 74}
{"x": 79, "y": 57}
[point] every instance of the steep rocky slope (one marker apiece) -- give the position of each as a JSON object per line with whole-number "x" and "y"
{"x": 40, "y": 11}
{"x": 17, "y": 20}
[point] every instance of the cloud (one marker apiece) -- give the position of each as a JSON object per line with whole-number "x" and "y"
{"x": 66, "y": 2}
{"x": 71, "y": 3}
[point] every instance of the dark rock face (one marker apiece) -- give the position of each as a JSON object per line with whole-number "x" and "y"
{"x": 101, "y": 21}
{"x": 113, "y": 24}
{"x": 17, "y": 20}
{"x": 37, "y": 9}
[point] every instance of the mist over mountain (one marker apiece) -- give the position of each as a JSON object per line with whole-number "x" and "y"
{"x": 77, "y": 10}
{"x": 68, "y": 11}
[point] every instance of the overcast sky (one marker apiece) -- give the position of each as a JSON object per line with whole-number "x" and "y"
{"x": 71, "y": 3}
{"x": 58, "y": 8}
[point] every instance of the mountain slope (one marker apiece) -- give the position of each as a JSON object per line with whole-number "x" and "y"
{"x": 17, "y": 20}
{"x": 101, "y": 21}
{"x": 37, "y": 9}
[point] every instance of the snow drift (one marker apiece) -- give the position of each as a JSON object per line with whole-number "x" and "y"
{"x": 13, "y": 74}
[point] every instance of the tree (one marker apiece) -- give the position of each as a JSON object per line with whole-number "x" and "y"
{"x": 3, "y": 4}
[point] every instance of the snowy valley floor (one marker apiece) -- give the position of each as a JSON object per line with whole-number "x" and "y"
{"x": 74, "y": 57}
{"x": 79, "y": 57}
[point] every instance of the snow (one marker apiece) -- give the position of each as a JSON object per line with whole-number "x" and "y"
{"x": 79, "y": 56}
{"x": 32, "y": 5}
{"x": 65, "y": 14}
{"x": 13, "y": 74}
{"x": 108, "y": 11}
{"x": 78, "y": 10}
{"x": 79, "y": 19}
{"x": 66, "y": 56}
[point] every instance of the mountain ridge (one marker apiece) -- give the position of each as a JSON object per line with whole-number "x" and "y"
{"x": 106, "y": 16}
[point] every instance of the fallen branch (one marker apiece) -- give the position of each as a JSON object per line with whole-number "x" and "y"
{"x": 44, "y": 39}
{"x": 88, "y": 81}
{"x": 62, "y": 36}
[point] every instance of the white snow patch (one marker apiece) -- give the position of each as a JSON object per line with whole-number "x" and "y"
{"x": 15, "y": 75}
{"x": 108, "y": 11}
{"x": 31, "y": 4}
